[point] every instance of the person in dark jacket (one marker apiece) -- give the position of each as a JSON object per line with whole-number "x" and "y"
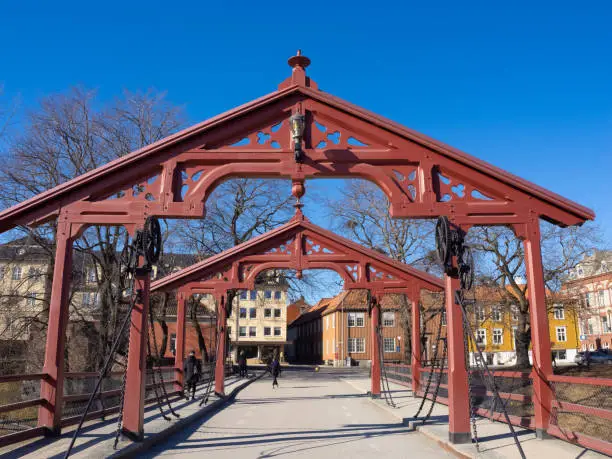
{"x": 242, "y": 366}
{"x": 193, "y": 370}
{"x": 275, "y": 369}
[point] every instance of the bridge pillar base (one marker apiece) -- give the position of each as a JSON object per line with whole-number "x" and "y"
{"x": 542, "y": 434}
{"x": 457, "y": 438}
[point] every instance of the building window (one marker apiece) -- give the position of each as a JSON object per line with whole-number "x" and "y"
{"x": 277, "y": 331}
{"x": 514, "y": 337}
{"x": 481, "y": 336}
{"x": 277, "y": 313}
{"x": 356, "y": 345}
{"x": 388, "y": 319}
{"x": 173, "y": 343}
{"x": 252, "y": 331}
{"x": 229, "y": 331}
{"x": 16, "y": 273}
{"x": 242, "y": 331}
{"x": 243, "y": 313}
{"x": 601, "y": 298}
{"x": 252, "y": 313}
{"x": 243, "y": 294}
{"x": 91, "y": 275}
{"x": 253, "y": 295}
{"x": 558, "y": 312}
{"x": 480, "y": 314}
{"x": 498, "y": 336}
{"x": 389, "y": 344}
{"x": 605, "y": 325}
{"x": 89, "y": 298}
{"x": 267, "y": 331}
{"x": 277, "y": 295}
{"x": 560, "y": 354}
{"x": 606, "y": 345}
{"x": 591, "y": 347}
{"x": 31, "y": 299}
{"x": 496, "y": 314}
{"x": 561, "y": 334}
{"x": 268, "y": 294}
{"x": 268, "y": 313}
{"x": 356, "y": 319}
{"x": 514, "y": 312}
{"x": 443, "y": 318}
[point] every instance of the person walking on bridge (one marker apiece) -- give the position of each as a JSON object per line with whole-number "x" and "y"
{"x": 193, "y": 370}
{"x": 275, "y": 370}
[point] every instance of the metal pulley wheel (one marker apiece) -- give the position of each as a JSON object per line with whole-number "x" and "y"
{"x": 128, "y": 259}
{"x": 151, "y": 240}
{"x": 443, "y": 241}
{"x": 466, "y": 268}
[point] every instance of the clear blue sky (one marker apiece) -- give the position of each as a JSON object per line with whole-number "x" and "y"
{"x": 527, "y": 81}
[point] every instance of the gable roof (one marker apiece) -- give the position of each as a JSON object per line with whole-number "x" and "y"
{"x": 54, "y": 198}
{"x": 297, "y": 223}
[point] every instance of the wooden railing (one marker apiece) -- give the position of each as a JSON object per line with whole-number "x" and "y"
{"x": 581, "y": 408}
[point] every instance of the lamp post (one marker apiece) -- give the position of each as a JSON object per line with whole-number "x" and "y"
{"x": 297, "y": 123}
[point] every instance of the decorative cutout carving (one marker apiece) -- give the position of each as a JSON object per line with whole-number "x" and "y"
{"x": 452, "y": 189}
{"x": 275, "y": 137}
{"x": 352, "y": 271}
{"x": 324, "y": 134}
{"x": 245, "y": 270}
{"x": 283, "y": 249}
{"x": 224, "y": 274}
{"x": 406, "y": 178}
{"x": 377, "y": 274}
{"x": 147, "y": 189}
{"x": 313, "y": 247}
{"x": 190, "y": 175}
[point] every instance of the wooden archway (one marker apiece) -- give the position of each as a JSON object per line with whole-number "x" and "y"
{"x": 297, "y": 245}
{"x": 421, "y": 177}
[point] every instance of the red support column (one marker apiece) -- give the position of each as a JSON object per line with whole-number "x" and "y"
{"x": 376, "y": 363}
{"x": 133, "y": 410}
{"x": 415, "y": 359}
{"x": 179, "y": 357}
{"x": 220, "y": 363}
{"x": 540, "y": 338}
{"x": 458, "y": 390}
{"x": 52, "y": 386}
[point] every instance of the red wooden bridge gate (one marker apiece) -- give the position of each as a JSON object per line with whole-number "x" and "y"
{"x": 297, "y": 132}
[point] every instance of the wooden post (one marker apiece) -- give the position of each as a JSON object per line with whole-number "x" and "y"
{"x": 222, "y": 330}
{"x": 52, "y": 385}
{"x": 375, "y": 348}
{"x": 415, "y": 358}
{"x": 458, "y": 390}
{"x": 540, "y": 338}
{"x": 133, "y": 410}
{"x": 179, "y": 356}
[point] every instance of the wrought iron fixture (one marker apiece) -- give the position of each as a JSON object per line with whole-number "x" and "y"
{"x": 297, "y": 123}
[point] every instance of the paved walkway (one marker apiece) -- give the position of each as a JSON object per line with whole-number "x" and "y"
{"x": 97, "y": 437}
{"x": 495, "y": 439}
{"x": 309, "y": 415}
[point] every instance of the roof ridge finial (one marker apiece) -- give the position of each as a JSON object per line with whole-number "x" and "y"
{"x": 298, "y": 61}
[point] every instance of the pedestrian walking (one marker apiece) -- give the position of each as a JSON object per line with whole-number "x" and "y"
{"x": 275, "y": 369}
{"x": 242, "y": 366}
{"x": 193, "y": 370}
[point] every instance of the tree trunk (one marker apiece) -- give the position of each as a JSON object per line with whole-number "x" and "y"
{"x": 196, "y": 325}
{"x": 522, "y": 340}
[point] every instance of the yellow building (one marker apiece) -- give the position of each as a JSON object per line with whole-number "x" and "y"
{"x": 495, "y": 321}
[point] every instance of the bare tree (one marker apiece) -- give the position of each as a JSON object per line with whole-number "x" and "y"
{"x": 362, "y": 214}
{"x": 66, "y": 136}
{"x": 500, "y": 265}
{"x": 237, "y": 211}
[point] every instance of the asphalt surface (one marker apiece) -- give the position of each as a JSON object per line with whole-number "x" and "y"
{"x": 311, "y": 414}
